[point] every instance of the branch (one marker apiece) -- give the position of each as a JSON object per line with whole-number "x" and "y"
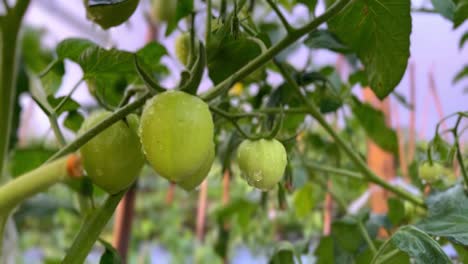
{"x": 289, "y": 39}
{"x": 91, "y": 230}
{"x": 22, "y": 187}
{"x": 355, "y": 158}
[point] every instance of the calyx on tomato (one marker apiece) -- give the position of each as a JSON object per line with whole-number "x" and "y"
{"x": 109, "y": 15}
{"x": 176, "y": 132}
{"x": 262, "y": 162}
{"x": 113, "y": 159}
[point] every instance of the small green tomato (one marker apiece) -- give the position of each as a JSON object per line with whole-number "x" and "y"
{"x": 113, "y": 159}
{"x": 430, "y": 173}
{"x": 262, "y": 162}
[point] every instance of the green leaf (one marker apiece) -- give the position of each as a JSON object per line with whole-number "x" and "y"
{"x": 414, "y": 242}
{"x": 73, "y": 121}
{"x": 444, "y": 7}
{"x": 110, "y": 255}
{"x": 396, "y": 211}
{"x": 463, "y": 73}
{"x": 184, "y": 8}
{"x": 96, "y": 61}
{"x": 304, "y": 200}
{"x": 448, "y": 215}
{"x": 375, "y": 126}
{"x": 36, "y": 58}
{"x": 311, "y": 4}
{"x": 462, "y": 253}
{"x": 72, "y": 48}
{"x": 463, "y": 39}
{"x": 284, "y": 254}
{"x": 325, "y": 251}
{"x": 347, "y": 234}
{"x": 324, "y": 39}
{"x": 27, "y": 159}
{"x": 461, "y": 13}
{"x": 223, "y": 56}
{"x": 150, "y": 56}
{"x": 379, "y": 32}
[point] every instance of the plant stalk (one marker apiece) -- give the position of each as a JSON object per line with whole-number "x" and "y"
{"x": 15, "y": 191}
{"x": 91, "y": 230}
{"x": 290, "y": 38}
{"x": 9, "y": 28}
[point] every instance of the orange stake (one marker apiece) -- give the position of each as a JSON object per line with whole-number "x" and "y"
{"x": 380, "y": 161}
{"x": 201, "y": 210}
{"x": 226, "y": 183}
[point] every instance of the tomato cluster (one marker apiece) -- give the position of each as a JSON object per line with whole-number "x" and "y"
{"x": 176, "y": 137}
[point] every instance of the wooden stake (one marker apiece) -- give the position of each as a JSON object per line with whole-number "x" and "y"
{"x": 201, "y": 210}
{"x": 380, "y": 161}
{"x": 123, "y": 223}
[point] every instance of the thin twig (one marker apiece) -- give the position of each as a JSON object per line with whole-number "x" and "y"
{"x": 280, "y": 15}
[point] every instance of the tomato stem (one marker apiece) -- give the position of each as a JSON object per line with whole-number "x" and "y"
{"x": 115, "y": 117}
{"x": 355, "y": 158}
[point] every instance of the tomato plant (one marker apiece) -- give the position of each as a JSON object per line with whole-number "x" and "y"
{"x": 262, "y": 142}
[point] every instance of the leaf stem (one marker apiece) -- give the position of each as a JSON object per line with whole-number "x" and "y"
{"x": 355, "y": 158}
{"x": 366, "y": 236}
{"x": 64, "y": 101}
{"x": 116, "y": 116}
{"x": 56, "y": 129}
{"x": 280, "y": 15}
{"x": 290, "y": 38}
{"x": 91, "y": 230}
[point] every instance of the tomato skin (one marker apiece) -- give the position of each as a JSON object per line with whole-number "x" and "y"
{"x": 262, "y": 162}
{"x": 197, "y": 178}
{"x": 176, "y": 132}
{"x": 113, "y": 159}
{"x": 430, "y": 173}
{"x": 108, "y": 16}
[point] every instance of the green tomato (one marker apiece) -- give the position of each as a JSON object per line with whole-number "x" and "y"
{"x": 176, "y": 132}
{"x": 111, "y": 15}
{"x": 113, "y": 159}
{"x": 164, "y": 10}
{"x": 182, "y": 48}
{"x": 197, "y": 178}
{"x": 262, "y": 162}
{"x": 430, "y": 173}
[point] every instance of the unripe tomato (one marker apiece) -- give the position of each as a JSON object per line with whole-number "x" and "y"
{"x": 113, "y": 159}
{"x": 430, "y": 173}
{"x": 262, "y": 162}
{"x": 163, "y": 10}
{"x": 182, "y": 48}
{"x": 176, "y": 132}
{"x": 107, "y": 15}
{"x": 197, "y": 178}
